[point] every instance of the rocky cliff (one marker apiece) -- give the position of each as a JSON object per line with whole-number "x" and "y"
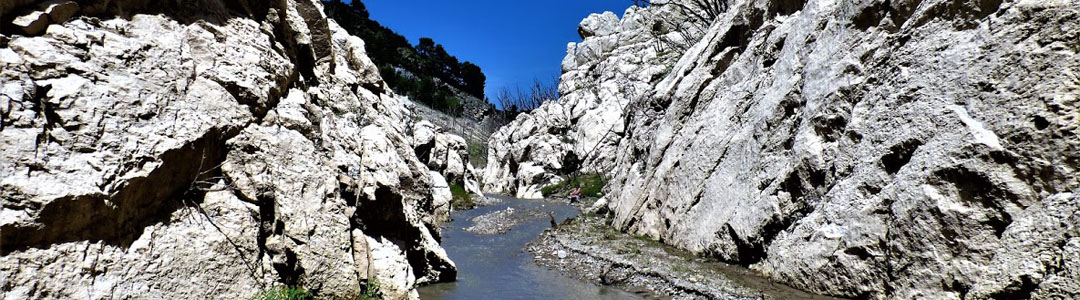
{"x": 874, "y": 149}
{"x": 617, "y": 60}
{"x": 209, "y": 149}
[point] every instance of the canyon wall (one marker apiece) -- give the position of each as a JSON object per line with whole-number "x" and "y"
{"x": 873, "y": 149}
{"x": 209, "y": 149}
{"x": 617, "y": 60}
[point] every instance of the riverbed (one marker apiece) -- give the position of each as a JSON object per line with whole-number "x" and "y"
{"x": 496, "y": 266}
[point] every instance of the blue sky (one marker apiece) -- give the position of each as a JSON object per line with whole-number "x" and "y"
{"x": 514, "y": 41}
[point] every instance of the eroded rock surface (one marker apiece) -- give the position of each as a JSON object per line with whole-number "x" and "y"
{"x": 618, "y": 60}
{"x": 867, "y": 149}
{"x": 447, "y": 156}
{"x": 206, "y": 150}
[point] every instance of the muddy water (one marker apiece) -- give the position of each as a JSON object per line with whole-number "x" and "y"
{"x": 497, "y": 267}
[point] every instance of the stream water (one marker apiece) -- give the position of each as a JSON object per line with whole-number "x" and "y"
{"x": 498, "y": 267}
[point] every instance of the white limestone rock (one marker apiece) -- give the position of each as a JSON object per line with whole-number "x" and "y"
{"x": 599, "y": 207}
{"x": 442, "y": 196}
{"x": 197, "y": 154}
{"x": 864, "y": 149}
{"x": 32, "y": 23}
{"x": 598, "y": 25}
{"x": 448, "y": 155}
{"x": 616, "y": 62}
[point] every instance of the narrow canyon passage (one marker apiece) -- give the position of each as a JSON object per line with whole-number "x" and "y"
{"x": 407, "y": 150}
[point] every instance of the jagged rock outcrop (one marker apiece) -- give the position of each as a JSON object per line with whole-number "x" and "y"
{"x": 618, "y": 60}
{"x": 865, "y": 148}
{"x": 206, "y": 149}
{"x": 447, "y": 156}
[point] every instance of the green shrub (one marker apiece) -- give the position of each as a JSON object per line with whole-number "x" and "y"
{"x": 371, "y": 290}
{"x": 552, "y": 189}
{"x": 461, "y": 200}
{"x": 478, "y": 154}
{"x": 283, "y": 293}
{"x": 385, "y": 47}
{"x": 592, "y": 185}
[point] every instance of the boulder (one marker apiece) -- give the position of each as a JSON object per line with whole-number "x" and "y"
{"x": 599, "y": 207}
{"x": 598, "y": 25}
{"x": 442, "y": 196}
{"x": 60, "y": 11}
{"x": 32, "y": 23}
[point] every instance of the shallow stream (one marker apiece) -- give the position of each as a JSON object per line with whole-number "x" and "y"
{"x": 498, "y": 267}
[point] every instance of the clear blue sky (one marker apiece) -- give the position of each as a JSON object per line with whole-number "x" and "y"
{"x": 514, "y": 41}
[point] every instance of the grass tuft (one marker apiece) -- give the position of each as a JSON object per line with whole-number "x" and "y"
{"x": 478, "y": 154}
{"x": 461, "y": 200}
{"x": 371, "y": 290}
{"x": 592, "y": 185}
{"x": 283, "y": 293}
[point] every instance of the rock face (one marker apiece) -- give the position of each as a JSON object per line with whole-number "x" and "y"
{"x": 862, "y": 148}
{"x": 617, "y": 61}
{"x": 209, "y": 149}
{"x": 447, "y": 156}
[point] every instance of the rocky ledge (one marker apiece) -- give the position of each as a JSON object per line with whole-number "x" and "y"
{"x": 209, "y": 149}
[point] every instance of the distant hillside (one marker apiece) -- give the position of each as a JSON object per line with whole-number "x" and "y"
{"x": 425, "y": 72}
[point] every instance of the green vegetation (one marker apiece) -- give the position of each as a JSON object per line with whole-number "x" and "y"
{"x": 283, "y": 293}
{"x": 682, "y": 269}
{"x": 371, "y": 290}
{"x": 609, "y": 235}
{"x": 629, "y": 249}
{"x": 478, "y": 154}
{"x": 592, "y": 185}
{"x": 462, "y": 200}
{"x": 425, "y": 72}
{"x": 648, "y": 240}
